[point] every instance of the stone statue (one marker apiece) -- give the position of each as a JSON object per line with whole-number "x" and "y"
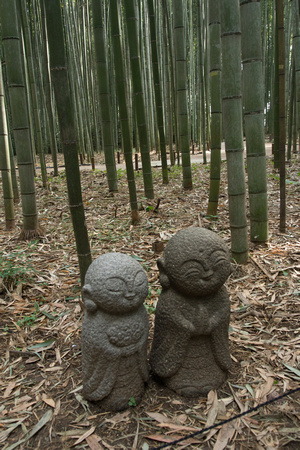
{"x": 190, "y": 350}
{"x": 114, "y": 331}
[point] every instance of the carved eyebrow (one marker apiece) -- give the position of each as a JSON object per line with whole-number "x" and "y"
{"x": 193, "y": 261}
{"x": 138, "y": 272}
{"x": 115, "y": 277}
{"x": 219, "y": 250}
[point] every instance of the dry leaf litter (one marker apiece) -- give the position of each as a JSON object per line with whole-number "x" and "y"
{"x": 41, "y": 405}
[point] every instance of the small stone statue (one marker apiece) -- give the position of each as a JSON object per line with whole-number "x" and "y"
{"x": 190, "y": 350}
{"x": 114, "y": 331}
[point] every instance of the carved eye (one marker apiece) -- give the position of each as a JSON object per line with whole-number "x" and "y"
{"x": 115, "y": 284}
{"x": 139, "y": 279}
{"x": 192, "y": 269}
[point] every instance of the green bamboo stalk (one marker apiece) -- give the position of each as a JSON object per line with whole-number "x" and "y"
{"x": 33, "y": 91}
{"x": 13, "y": 172}
{"x": 202, "y": 50}
{"x": 216, "y": 105}
{"x": 232, "y": 120}
{"x": 8, "y": 195}
{"x": 59, "y": 75}
{"x": 73, "y": 54}
{"x": 170, "y": 88}
{"x": 104, "y": 95}
{"x": 254, "y": 118}
{"x": 158, "y": 95}
{"x": 123, "y": 111}
{"x": 81, "y": 63}
{"x": 20, "y": 121}
{"x": 276, "y": 108}
{"x": 138, "y": 92}
{"x": 296, "y": 53}
{"x": 292, "y": 101}
{"x": 147, "y": 75}
{"x": 181, "y": 92}
{"x": 47, "y": 92}
{"x": 282, "y": 128}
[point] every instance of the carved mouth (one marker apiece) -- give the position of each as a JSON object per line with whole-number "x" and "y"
{"x": 208, "y": 277}
{"x": 130, "y": 297}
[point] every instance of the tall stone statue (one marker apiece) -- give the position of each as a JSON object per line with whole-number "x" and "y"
{"x": 114, "y": 331}
{"x": 190, "y": 350}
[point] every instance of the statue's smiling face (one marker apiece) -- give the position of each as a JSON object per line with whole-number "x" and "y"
{"x": 116, "y": 283}
{"x": 126, "y": 287}
{"x": 197, "y": 264}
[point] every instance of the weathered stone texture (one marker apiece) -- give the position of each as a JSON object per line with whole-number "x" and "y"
{"x": 190, "y": 350}
{"x": 115, "y": 331}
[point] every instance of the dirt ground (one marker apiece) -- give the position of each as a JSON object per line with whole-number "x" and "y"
{"x": 41, "y": 405}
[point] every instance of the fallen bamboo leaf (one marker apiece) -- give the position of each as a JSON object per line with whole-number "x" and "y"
{"x": 45, "y": 419}
{"x": 84, "y": 436}
{"x": 4, "y": 434}
{"x": 212, "y": 401}
{"x": 120, "y": 417}
{"x": 293, "y": 430}
{"x": 93, "y": 442}
{"x": 42, "y": 346}
{"x": 48, "y": 401}
{"x": 173, "y": 426}
{"x": 224, "y": 436}
{"x": 136, "y": 437}
{"x": 292, "y": 369}
{"x": 9, "y": 389}
{"x": 53, "y": 369}
{"x": 21, "y": 407}
{"x": 161, "y": 418}
{"x": 169, "y": 439}
{"x": 262, "y": 391}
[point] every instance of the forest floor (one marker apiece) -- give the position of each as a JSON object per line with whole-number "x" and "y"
{"x": 41, "y": 405}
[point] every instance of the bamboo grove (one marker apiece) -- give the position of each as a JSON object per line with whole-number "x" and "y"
{"x": 91, "y": 76}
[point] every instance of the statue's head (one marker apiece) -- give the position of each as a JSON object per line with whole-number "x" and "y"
{"x": 115, "y": 283}
{"x": 195, "y": 262}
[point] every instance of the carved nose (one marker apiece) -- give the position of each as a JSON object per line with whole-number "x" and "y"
{"x": 130, "y": 284}
{"x": 208, "y": 274}
{"x": 130, "y": 294}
